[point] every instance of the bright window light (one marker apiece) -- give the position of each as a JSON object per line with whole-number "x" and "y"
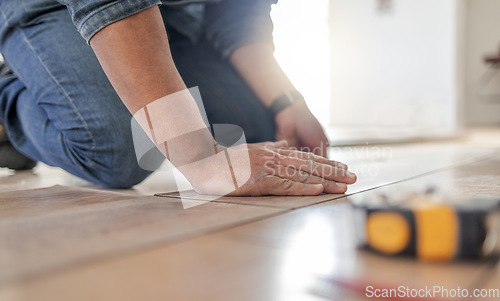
{"x": 301, "y": 36}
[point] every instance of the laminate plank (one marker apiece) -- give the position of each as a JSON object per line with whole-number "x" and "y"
{"x": 77, "y": 226}
{"x": 288, "y": 202}
{"x": 49, "y": 200}
{"x": 386, "y": 164}
{"x": 300, "y": 255}
{"x": 470, "y": 182}
{"x": 326, "y": 233}
{"x": 375, "y": 166}
{"x": 476, "y": 180}
{"x": 206, "y": 268}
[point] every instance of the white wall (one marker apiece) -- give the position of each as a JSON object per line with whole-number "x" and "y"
{"x": 482, "y": 105}
{"x": 394, "y": 74}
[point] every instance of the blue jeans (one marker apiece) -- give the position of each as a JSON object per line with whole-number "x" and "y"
{"x": 59, "y": 107}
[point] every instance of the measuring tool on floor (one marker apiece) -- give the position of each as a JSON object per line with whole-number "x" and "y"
{"x": 429, "y": 227}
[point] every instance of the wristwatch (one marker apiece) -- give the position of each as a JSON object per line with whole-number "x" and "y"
{"x": 284, "y": 101}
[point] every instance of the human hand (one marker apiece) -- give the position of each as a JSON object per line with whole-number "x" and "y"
{"x": 298, "y": 126}
{"x": 270, "y": 169}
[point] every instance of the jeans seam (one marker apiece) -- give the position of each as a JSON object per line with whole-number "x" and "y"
{"x": 83, "y": 23}
{"x": 4, "y": 17}
{"x": 91, "y": 15}
{"x": 66, "y": 95}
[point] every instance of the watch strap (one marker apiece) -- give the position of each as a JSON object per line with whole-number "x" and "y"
{"x": 284, "y": 101}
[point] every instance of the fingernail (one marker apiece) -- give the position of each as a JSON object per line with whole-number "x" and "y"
{"x": 350, "y": 175}
{"x": 342, "y": 185}
{"x": 319, "y": 186}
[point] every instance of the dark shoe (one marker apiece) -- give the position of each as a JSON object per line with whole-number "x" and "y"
{"x": 4, "y": 69}
{"x": 10, "y": 157}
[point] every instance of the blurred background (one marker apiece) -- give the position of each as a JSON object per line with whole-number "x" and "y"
{"x": 393, "y": 70}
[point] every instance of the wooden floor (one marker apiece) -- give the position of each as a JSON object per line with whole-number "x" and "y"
{"x": 64, "y": 239}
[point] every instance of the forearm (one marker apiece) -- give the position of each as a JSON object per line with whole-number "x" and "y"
{"x": 258, "y": 67}
{"x": 135, "y": 56}
{"x": 295, "y": 123}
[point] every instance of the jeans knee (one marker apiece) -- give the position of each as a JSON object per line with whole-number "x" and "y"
{"x": 109, "y": 159}
{"x": 122, "y": 177}
{"x": 122, "y": 169}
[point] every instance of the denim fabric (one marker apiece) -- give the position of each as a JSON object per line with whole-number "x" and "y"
{"x": 59, "y": 107}
{"x": 90, "y": 16}
{"x": 187, "y": 20}
{"x": 229, "y": 23}
{"x": 226, "y": 96}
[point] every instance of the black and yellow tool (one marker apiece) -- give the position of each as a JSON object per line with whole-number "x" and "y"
{"x": 430, "y": 229}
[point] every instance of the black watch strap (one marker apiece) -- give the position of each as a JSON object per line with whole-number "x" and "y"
{"x": 284, "y": 101}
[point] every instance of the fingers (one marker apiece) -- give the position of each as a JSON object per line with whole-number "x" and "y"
{"x": 277, "y": 170}
{"x": 313, "y": 167}
{"x": 311, "y": 156}
{"x": 306, "y": 178}
{"x": 278, "y": 186}
{"x": 273, "y": 145}
{"x": 280, "y": 144}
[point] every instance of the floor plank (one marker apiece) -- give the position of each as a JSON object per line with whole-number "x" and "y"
{"x": 479, "y": 179}
{"x": 376, "y": 167}
{"x": 207, "y": 268}
{"x": 68, "y": 227}
{"x": 382, "y": 165}
{"x": 37, "y": 202}
{"x": 310, "y": 249}
{"x": 289, "y": 202}
{"x": 326, "y": 233}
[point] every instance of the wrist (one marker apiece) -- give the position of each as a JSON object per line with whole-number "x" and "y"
{"x": 289, "y": 98}
{"x": 291, "y": 113}
{"x": 185, "y": 138}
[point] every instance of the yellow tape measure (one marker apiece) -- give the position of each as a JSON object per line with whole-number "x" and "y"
{"x": 430, "y": 231}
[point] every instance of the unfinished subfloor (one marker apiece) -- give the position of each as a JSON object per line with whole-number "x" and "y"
{"x": 64, "y": 239}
